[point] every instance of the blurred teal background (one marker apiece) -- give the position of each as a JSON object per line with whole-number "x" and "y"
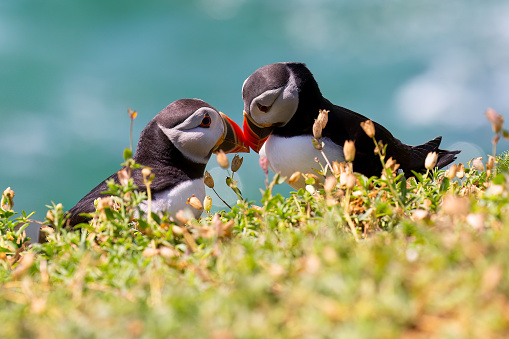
{"x": 70, "y": 69}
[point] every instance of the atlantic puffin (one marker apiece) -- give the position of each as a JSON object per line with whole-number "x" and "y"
{"x": 176, "y": 144}
{"x": 281, "y": 103}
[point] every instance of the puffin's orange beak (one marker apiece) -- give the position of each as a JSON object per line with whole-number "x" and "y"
{"x": 254, "y": 134}
{"x": 232, "y": 140}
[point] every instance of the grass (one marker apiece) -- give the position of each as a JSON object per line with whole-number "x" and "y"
{"x": 428, "y": 259}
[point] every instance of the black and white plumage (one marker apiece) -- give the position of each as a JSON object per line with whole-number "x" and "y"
{"x": 176, "y": 144}
{"x": 281, "y": 103}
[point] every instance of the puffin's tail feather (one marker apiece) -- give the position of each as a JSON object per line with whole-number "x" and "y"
{"x": 446, "y": 157}
{"x": 419, "y": 154}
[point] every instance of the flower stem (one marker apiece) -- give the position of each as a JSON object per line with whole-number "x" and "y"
{"x": 224, "y": 202}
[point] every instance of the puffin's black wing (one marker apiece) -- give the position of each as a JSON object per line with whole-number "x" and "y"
{"x": 86, "y": 204}
{"x": 345, "y": 124}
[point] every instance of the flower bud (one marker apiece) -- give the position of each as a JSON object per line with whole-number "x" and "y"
{"x": 496, "y": 120}
{"x": 184, "y": 216}
{"x": 454, "y": 205}
{"x": 369, "y": 128}
{"x": 150, "y": 252}
{"x": 349, "y": 150}
{"x": 478, "y": 165}
{"x": 208, "y": 180}
{"x": 342, "y": 179}
{"x": 123, "y": 177}
{"x": 103, "y": 203}
{"x": 222, "y": 159}
{"x": 460, "y": 171}
{"x": 25, "y": 263}
{"x": 50, "y": 216}
{"x": 294, "y": 177}
{"x": 311, "y": 189}
{"x": 195, "y": 203}
{"x": 177, "y": 230}
{"x": 207, "y": 203}
{"x": 330, "y": 183}
{"x": 7, "y": 201}
{"x": 451, "y": 173}
{"x": 490, "y": 163}
{"x": 336, "y": 169}
{"x": 132, "y": 114}
{"x": 264, "y": 164}
{"x": 351, "y": 180}
{"x": 420, "y": 214}
{"x": 392, "y": 164}
{"x": 236, "y": 163}
{"x": 323, "y": 117}
{"x": 431, "y": 160}
{"x": 146, "y": 172}
{"x": 317, "y": 129}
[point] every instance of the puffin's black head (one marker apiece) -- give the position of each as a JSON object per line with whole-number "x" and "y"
{"x": 196, "y": 129}
{"x": 271, "y": 97}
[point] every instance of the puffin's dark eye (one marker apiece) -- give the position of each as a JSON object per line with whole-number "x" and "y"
{"x": 263, "y": 108}
{"x": 206, "y": 121}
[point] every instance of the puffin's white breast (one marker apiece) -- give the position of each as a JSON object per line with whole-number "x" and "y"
{"x": 173, "y": 200}
{"x": 288, "y": 155}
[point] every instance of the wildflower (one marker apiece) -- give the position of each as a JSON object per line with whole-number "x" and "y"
{"x": 150, "y": 252}
{"x": 132, "y": 114}
{"x": 431, "y": 160}
{"x": 451, "y": 173}
{"x": 478, "y": 165}
{"x": 236, "y": 163}
{"x": 496, "y": 120}
{"x": 460, "y": 172}
{"x": 323, "y": 117}
{"x": 182, "y": 217}
{"x": 222, "y": 159}
{"x": 392, "y": 164}
{"x": 351, "y": 180}
{"x": 342, "y": 178}
{"x": 349, "y": 150}
{"x": 294, "y": 177}
{"x": 7, "y": 201}
{"x": 264, "y": 164}
{"x": 207, "y": 203}
{"x": 50, "y": 216}
{"x": 317, "y": 129}
{"x": 195, "y": 203}
{"x": 206, "y": 232}
{"x": 146, "y": 172}
{"x": 208, "y": 180}
{"x": 177, "y": 230}
{"x": 26, "y": 262}
{"x": 420, "y": 214}
{"x": 336, "y": 169}
{"x": 490, "y": 163}
{"x": 103, "y": 203}
{"x": 222, "y": 229}
{"x": 330, "y": 183}
{"x": 455, "y": 206}
{"x": 123, "y": 177}
{"x": 369, "y": 128}
{"x": 476, "y": 220}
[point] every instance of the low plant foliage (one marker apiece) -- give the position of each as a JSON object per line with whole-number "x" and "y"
{"x": 354, "y": 257}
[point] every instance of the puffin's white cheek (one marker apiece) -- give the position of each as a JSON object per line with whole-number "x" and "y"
{"x": 197, "y": 145}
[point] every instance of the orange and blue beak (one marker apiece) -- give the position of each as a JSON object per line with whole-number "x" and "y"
{"x": 233, "y": 140}
{"x": 254, "y": 134}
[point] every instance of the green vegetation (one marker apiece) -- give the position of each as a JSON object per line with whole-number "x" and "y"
{"x": 356, "y": 257}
